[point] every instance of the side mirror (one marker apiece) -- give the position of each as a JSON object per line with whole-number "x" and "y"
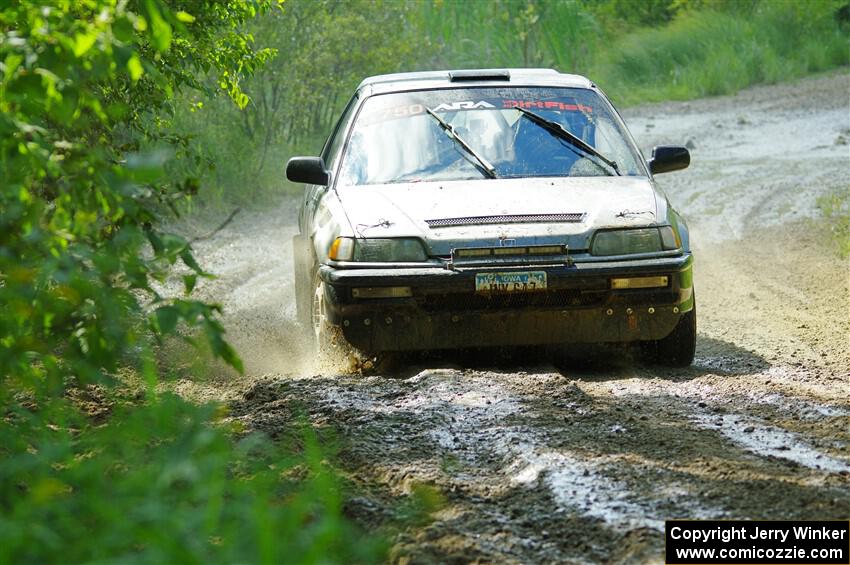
{"x": 309, "y": 170}
{"x": 666, "y": 158}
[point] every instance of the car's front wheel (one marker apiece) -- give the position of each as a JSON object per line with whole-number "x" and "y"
{"x": 678, "y": 348}
{"x": 330, "y": 345}
{"x": 324, "y": 337}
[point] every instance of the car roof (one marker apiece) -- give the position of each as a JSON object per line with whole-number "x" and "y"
{"x": 460, "y": 78}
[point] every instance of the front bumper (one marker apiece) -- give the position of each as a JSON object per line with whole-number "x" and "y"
{"x": 444, "y": 312}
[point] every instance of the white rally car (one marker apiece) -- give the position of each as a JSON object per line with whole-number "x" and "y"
{"x": 475, "y": 208}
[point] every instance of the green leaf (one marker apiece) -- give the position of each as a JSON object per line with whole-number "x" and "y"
{"x": 221, "y": 348}
{"x": 11, "y": 64}
{"x": 173, "y": 243}
{"x": 189, "y": 282}
{"x": 160, "y": 29}
{"x": 134, "y": 66}
{"x": 166, "y": 319}
{"x": 185, "y": 17}
{"x": 231, "y": 357}
{"x": 189, "y": 260}
{"x": 155, "y": 241}
{"x": 83, "y": 42}
{"x": 123, "y": 29}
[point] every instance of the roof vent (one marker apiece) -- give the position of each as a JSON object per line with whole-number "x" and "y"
{"x": 479, "y": 75}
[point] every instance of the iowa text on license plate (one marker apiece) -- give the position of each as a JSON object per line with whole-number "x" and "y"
{"x": 526, "y": 281}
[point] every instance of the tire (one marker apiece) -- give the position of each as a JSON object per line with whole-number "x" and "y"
{"x": 322, "y": 332}
{"x": 329, "y": 343}
{"x": 678, "y": 348}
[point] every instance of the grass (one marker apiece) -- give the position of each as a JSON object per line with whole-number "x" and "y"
{"x": 505, "y": 33}
{"x": 706, "y": 49}
{"x": 707, "y": 53}
{"x": 95, "y": 477}
{"x": 835, "y": 207}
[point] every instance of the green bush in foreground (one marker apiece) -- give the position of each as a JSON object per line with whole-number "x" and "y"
{"x": 81, "y": 244}
{"x": 85, "y": 86}
{"x": 161, "y": 484}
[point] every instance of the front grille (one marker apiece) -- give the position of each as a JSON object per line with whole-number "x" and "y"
{"x": 458, "y": 302}
{"x": 506, "y": 219}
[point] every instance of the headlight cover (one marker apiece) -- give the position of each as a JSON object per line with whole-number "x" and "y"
{"x": 634, "y": 241}
{"x": 377, "y": 250}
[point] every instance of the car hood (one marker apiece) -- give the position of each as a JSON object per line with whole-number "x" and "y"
{"x": 402, "y": 209}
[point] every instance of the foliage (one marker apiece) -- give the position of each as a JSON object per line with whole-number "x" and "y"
{"x": 162, "y": 484}
{"x": 626, "y": 13}
{"x": 89, "y": 167}
{"x": 649, "y": 50}
{"x": 510, "y": 33}
{"x": 325, "y": 47}
{"x": 83, "y": 85}
{"x": 711, "y": 52}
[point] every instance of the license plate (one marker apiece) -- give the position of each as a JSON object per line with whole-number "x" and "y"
{"x": 529, "y": 281}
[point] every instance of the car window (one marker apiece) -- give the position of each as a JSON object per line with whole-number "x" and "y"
{"x": 334, "y": 143}
{"x": 394, "y": 139}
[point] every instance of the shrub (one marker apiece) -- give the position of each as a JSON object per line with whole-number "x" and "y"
{"x": 163, "y": 483}
{"x": 711, "y": 52}
{"x": 85, "y": 89}
{"x": 80, "y": 199}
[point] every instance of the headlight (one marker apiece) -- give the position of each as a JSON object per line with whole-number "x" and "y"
{"x": 370, "y": 250}
{"x": 631, "y": 241}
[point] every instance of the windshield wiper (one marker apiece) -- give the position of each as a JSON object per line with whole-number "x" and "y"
{"x": 483, "y": 164}
{"x": 561, "y": 132}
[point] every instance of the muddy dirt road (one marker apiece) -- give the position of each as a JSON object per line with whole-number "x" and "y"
{"x": 541, "y": 460}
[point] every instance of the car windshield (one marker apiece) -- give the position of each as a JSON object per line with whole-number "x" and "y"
{"x": 396, "y": 139}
